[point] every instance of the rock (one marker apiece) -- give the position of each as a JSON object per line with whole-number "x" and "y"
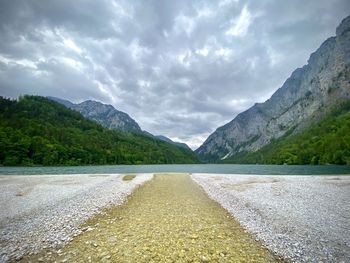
{"x": 107, "y": 257}
{"x": 87, "y": 229}
{"x": 204, "y": 259}
{"x": 94, "y": 243}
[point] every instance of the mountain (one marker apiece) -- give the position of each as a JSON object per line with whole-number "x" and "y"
{"x": 305, "y": 97}
{"x": 38, "y": 131}
{"x": 166, "y": 139}
{"x": 324, "y": 142}
{"x": 111, "y": 118}
{"x": 104, "y": 114}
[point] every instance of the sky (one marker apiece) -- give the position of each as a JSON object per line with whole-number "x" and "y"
{"x": 179, "y": 68}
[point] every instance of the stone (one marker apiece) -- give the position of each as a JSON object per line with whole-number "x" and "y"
{"x": 204, "y": 259}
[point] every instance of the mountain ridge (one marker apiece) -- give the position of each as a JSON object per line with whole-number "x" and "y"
{"x": 111, "y": 118}
{"x": 322, "y": 82}
{"x": 104, "y": 114}
{"x": 36, "y": 130}
{"x": 166, "y": 139}
{"x": 325, "y": 141}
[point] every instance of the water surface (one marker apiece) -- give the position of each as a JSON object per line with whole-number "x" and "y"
{"x": 183, "y": 168}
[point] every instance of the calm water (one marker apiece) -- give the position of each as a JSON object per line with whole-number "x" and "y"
{"x": 185, "y": 168}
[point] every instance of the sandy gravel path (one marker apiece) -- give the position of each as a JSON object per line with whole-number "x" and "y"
{"x": 169, "y": 219}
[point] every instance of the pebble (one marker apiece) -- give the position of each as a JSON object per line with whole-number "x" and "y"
{"x": 204, "y": 259}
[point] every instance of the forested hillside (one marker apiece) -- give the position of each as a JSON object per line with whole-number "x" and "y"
{"x": 38, "y": 131}
{"x": 325, "y": 142}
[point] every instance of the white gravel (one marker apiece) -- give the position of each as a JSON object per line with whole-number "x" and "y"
{"x": 301, "y": 218}
{"x": 46, "y": 210}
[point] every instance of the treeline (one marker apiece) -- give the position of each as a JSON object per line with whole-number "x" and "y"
{"x": 325, "y": 142}
{"x": 37, "y": 131}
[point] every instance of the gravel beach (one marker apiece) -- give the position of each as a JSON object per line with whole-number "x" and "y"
{"x": 46, "y": 210}
{"x": 169, "y": 219}
{"x": 301, "y": 218}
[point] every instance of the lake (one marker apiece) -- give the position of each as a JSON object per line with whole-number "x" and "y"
{"x": 183, "y": 168}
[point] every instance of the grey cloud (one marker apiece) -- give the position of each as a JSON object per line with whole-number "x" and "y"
{"x": 170, "y": 64}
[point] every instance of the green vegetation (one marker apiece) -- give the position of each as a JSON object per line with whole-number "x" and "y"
{"x": 324, "y": 142}
{"x": 129, "y": 177}
{"x": 37, "y": 131}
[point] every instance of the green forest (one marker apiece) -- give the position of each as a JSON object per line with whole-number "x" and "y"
{"x": 324, "y": 142}
{"x": 37, "y": 131}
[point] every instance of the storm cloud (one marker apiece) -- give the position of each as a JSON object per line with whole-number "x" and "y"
{"x": 179, "y": 68}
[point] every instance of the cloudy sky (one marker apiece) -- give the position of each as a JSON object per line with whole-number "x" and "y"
{"x": 179, "y": 68}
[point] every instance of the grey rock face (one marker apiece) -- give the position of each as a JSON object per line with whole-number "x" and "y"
{"x": 104, "y": 114}
{"x": 107, "y": 116}
{"x": 324, "y": 81}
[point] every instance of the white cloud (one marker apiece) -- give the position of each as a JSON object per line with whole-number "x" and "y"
{"x": 137, "y": 51}
{"x": 225, "y": 3}
{"x": 275, "y": 57}
{"x": 22, "y": 62}
{"x": 223, "y": 52}
{"x": 77, "y": 65}
{"x": 203, "y": 51}
{"x": 239, "y": 26}
{"x": 184, "y": 24}
{"x": 71, "y": 45}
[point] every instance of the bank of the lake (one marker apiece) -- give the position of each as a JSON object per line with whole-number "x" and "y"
{"x": 300, "y": 217}
{"x": 169, "y": 219}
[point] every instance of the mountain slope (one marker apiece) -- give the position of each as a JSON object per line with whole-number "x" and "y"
{"x": 323, "y": 82}
{"x": 104, "y": 114}
{"x": 324, "y": 142}
{"x": 179, "y": 144}
{"x": 39, "y": 131}
{"x": 111, "y": 118}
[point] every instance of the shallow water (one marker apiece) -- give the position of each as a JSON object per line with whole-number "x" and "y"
{"x": 169, "y": 219}
{"x": 183, "y": 168}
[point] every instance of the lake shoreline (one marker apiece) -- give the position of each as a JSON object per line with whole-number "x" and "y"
{"x": 294, "y": 216}
{"x": 183, "y": 168}
{"x": 168, "y": 219}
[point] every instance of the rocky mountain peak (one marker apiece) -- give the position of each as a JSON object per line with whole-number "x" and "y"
{"x": 104, "y": 114}
{"x": 343, "y": 27}
{"x": 323, "y": 82}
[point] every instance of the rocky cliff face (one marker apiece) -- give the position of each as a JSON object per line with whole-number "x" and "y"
{"x": 308, "y": 91}
{"x": 104, "y": 114}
